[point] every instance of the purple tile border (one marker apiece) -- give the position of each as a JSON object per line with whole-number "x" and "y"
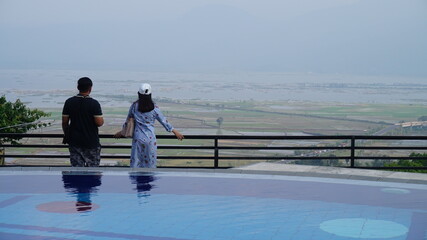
{"x": 418, "y": 228}
{"x": 13, "y": 200}
{"x": 85, "y": 232}
{"x": 14, "y": 236}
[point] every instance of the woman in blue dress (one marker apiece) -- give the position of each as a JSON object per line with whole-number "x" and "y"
{"x": 144, "y": 144}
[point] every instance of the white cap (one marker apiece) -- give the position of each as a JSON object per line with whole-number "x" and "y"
{"x": 145, "y": 89}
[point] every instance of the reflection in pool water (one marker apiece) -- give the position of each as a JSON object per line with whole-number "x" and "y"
{"x": 82, "y": 186}
{"x": 143, "y": 183}
{"x": 166, "y": 206}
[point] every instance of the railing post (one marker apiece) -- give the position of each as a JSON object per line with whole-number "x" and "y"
{"x": 353, "y": 145}
{"x": 216, "y": 153}
{"x": 2, "y": 151}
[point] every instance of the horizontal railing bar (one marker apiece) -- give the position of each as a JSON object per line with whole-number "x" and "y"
{"x": 159, "y": 157}
{"x": 246, "y": 137}
{"x": 184, "y": 147}
{"x": 103, "y": 146}
{"x": 320, "y": 158}
{"x": 169, "y": 157}
{"x": 33, "y": 146}
{"x": 389, "y": 148}
{"x": 35, "y": 156}
{"x": 103, "y": 156}
{"x": 223, "y": 147}
{"x": 389, "y": 157}
{"x": 111, "y": 166}
{"x": 324, "y": 148}
{"x": 179, "y": 147}
{"x": 280, "y": 158}
{"x": 185, "y": 157}
{"x": 281, "y": 148}
{"x": 223, "y": 157}
{"x": 359, "y": 137}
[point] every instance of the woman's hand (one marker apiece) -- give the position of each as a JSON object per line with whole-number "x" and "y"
{"x": 118, "y": 134}
{"x": 178, "y": 135}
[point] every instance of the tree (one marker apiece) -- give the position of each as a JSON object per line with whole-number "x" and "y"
{"x": 422, "y": 162}
{"x": 17, "y": 118}
{"x": 411, "y": 163}
{"x": 219, "y": 121}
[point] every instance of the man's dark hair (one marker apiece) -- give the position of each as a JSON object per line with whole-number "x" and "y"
{"x": 84, "y": 84}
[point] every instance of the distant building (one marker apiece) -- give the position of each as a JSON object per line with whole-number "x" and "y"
{"x": 413, "y": 124}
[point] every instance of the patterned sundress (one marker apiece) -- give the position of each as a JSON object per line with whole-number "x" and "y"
{"x": 144, "y": 143}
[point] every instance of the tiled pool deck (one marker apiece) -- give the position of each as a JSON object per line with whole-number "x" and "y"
{"x": 263, "y": 201}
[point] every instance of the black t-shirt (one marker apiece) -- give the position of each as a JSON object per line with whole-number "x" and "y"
{"x": 83, "y": 130}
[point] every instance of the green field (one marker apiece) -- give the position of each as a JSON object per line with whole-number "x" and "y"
{"x": 246, "y": 118}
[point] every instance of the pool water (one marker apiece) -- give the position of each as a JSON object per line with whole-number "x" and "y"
{"x": 111, "y": 205}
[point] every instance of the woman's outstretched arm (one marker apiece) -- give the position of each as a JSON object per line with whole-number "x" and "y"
{"x": 178, "y": 135}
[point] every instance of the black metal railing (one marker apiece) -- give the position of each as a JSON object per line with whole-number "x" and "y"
{"x": 350, "y": 143}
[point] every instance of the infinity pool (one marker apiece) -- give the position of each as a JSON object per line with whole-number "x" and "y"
{"x": 109, "y": 205}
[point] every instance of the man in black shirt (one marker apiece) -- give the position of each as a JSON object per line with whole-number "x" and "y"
{"x": 81, "y": 117}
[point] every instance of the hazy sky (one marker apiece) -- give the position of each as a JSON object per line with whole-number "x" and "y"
{"x": 367, "y": 37}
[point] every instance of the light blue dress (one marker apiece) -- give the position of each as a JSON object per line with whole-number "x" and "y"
{"x": 144, "y": 143}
